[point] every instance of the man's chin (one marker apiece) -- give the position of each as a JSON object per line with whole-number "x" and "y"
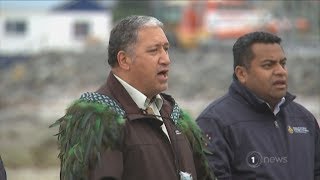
{"x": 163, "y": 87}
{"x": 279, "y": 96}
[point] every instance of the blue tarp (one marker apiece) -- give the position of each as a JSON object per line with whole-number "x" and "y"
{"x": 8, "y": 60}
{"x": 80, "y": 5}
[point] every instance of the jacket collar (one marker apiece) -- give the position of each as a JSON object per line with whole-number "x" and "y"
{"x": 114, "y": 89}
{"x": 139, "y": 98}
{"x": 258, "y": 104}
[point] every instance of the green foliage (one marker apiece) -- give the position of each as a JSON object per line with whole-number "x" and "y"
{"x": 85, "y": 131}
{"x": 194, "y": 134}
{"x": 125, "y": 8}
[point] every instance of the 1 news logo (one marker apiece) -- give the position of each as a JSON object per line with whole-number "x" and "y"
{"x": 255, "y": 159}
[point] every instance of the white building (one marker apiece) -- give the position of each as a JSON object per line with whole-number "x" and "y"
{"x": 69, "y": 27}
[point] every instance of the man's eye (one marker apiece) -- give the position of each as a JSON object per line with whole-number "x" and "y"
{"x": 153, "y": 50}
{"x": 266, "y": 65}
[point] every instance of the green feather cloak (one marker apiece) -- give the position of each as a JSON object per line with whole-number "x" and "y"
{"x": 89, "y": 128}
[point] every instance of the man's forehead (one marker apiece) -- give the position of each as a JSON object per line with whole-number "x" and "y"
{"x": 268, "y": 50}
{"x": 264, "y": 47}
{"x": 152, "y": 37}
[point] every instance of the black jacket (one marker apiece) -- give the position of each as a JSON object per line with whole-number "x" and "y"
{"x": 3, "y": 175}
{"x": 249, "y": 142}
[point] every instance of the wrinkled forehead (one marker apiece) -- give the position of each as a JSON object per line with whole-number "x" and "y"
{"x": 152, "y": 33}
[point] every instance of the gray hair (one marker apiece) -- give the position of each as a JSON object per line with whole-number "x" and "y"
{"x": 124, "y": 35}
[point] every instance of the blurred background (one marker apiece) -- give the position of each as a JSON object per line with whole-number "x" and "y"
{"x": 52, "y": 51}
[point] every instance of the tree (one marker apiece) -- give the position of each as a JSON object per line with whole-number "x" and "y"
{"x": 125, "y": 8}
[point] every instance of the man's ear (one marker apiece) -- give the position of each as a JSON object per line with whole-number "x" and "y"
{"x": 123, "y": 60}
{"x": 241, "y": 73}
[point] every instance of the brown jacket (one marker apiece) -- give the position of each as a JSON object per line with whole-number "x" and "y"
{"x": 145, "y": 153}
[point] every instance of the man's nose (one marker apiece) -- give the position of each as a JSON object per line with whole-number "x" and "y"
{"x": 280, "y": 69}
{"x": 165, "y": 59}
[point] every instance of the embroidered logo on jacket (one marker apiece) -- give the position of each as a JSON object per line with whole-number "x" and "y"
{"x": 298, "y": 130}
{"x": 290, "y": 130}
{"x": 178, "y": 132}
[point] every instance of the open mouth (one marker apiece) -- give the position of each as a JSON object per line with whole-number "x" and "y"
{"x": 163, "y": 73}
{"x": 280, "y": 83}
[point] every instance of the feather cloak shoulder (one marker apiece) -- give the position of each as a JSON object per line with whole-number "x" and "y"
{"x": 87, "y": 129}
{"x": 90, "y": 127}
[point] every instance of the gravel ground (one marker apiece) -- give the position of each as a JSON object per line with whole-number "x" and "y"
{"x": 33, "y": 174}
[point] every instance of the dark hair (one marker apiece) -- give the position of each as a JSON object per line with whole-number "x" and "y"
{"x": 124, "y": 35}
{"x": 242, "y": 52}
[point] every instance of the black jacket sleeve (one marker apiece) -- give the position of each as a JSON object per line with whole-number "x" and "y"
{"x": 3, "y": 175}
{"x": 317, "y": 153}
{"x": 221, "y": 152}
